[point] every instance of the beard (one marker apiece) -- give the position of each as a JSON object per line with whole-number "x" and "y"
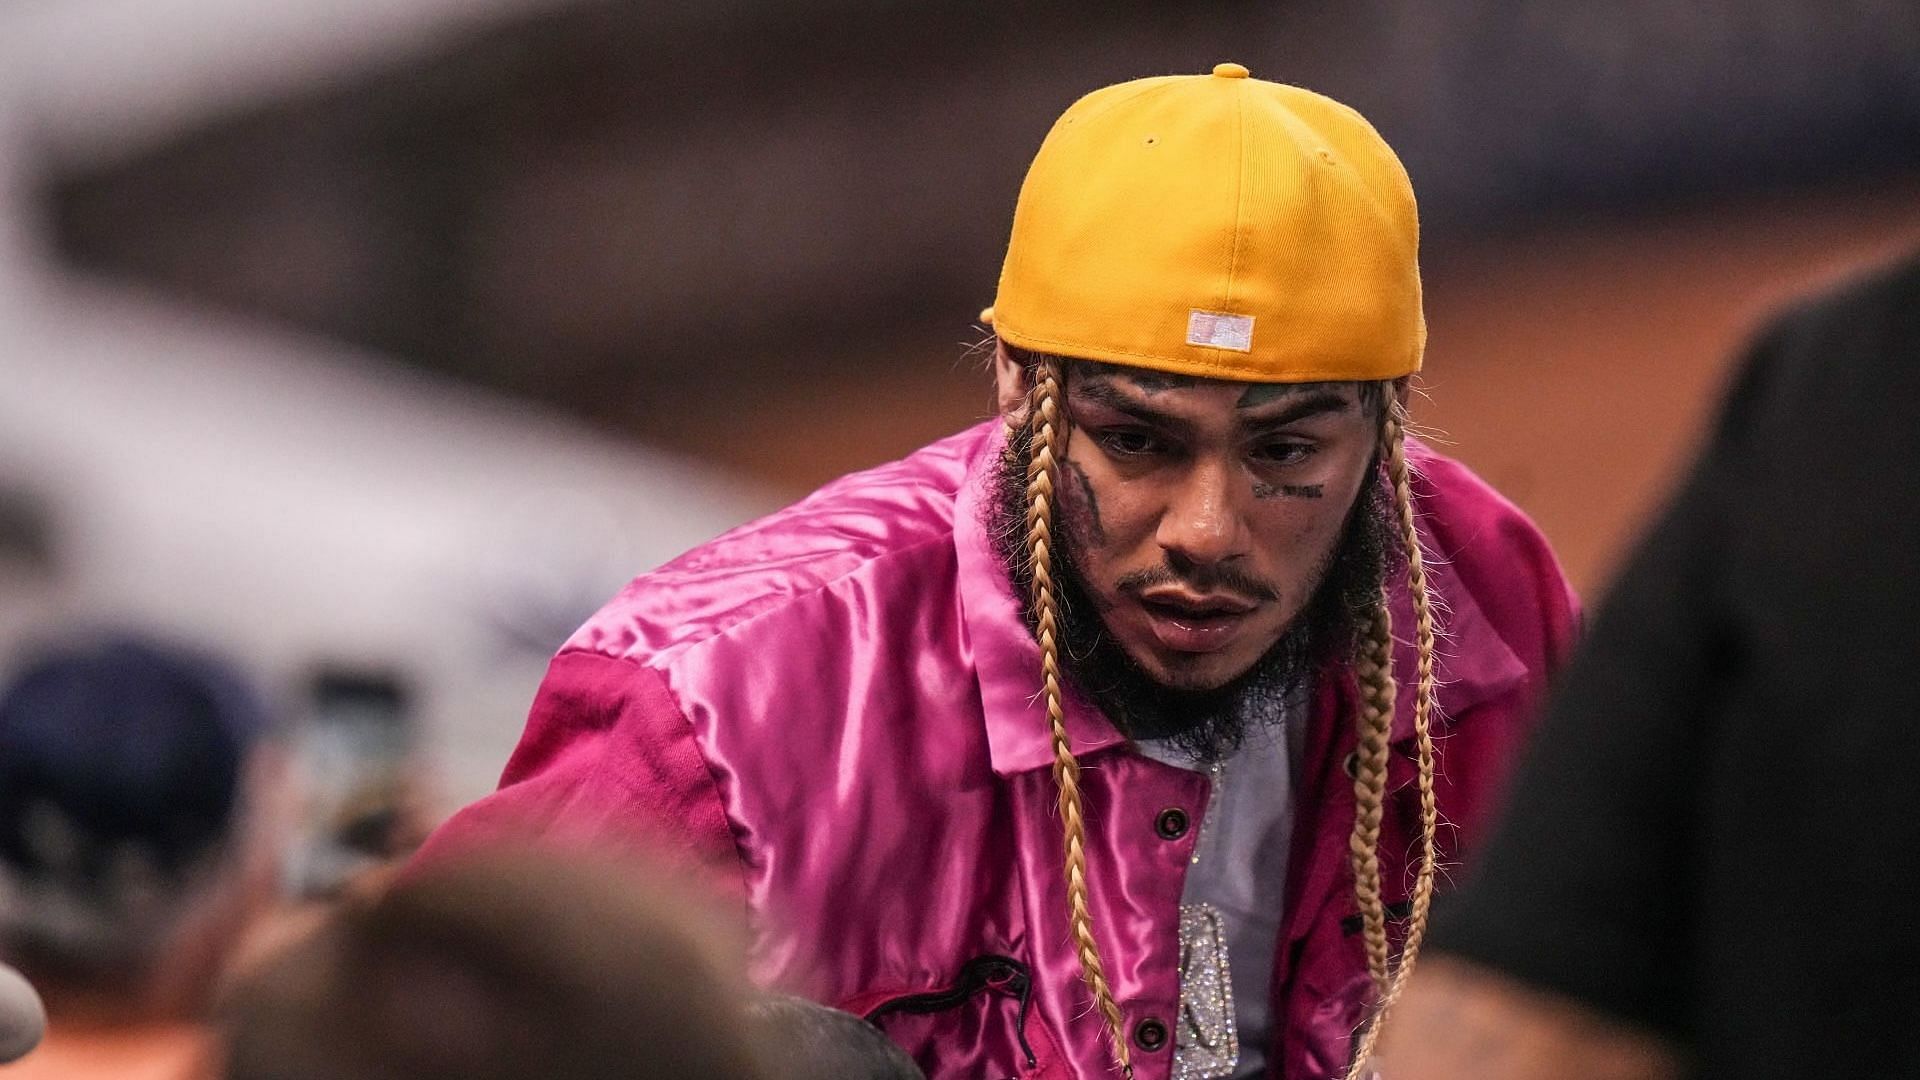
{"x": 1207, "y": 724}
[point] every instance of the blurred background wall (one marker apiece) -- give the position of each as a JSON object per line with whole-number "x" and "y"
{"x": 401, "y": 332}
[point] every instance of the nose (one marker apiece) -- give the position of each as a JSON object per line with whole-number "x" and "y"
{"x": 1203, "y": 525}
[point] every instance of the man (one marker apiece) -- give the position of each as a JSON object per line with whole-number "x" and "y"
{"x": 138, "y": 844}
{"x": 1708, "y": 866}
{"x": 1141, "y": 628}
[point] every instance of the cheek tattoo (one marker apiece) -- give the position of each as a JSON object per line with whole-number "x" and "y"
{"x": 1291, "y": 491}
{"x": 1096, "y": 531}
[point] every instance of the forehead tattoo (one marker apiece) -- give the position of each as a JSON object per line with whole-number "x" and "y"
{"x": 1151, "y": 383}
{"x": 1147, "y": 382}
{"x": 1260, "y": 394}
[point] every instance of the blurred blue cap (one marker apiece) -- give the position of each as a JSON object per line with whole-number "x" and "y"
{"x": 134, "y": 744}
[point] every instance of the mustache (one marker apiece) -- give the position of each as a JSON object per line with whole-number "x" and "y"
{"x": 1204, "y": 579}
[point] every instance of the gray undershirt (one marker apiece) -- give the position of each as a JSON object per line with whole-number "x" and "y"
{"x": 1240, "y": 870}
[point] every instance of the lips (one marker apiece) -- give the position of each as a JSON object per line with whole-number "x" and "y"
{"x": 1187, "y": 623}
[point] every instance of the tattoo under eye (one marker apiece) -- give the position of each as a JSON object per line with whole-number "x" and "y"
{"x": 1290, "y": 491}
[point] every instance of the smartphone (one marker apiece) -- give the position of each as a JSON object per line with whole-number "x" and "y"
{"x": 356, "y": 751}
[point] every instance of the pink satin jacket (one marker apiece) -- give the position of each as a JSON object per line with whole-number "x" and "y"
{"x": 833, "y": 711}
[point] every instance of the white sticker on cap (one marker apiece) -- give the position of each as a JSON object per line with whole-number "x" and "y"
{"x": 1219, "y": 330}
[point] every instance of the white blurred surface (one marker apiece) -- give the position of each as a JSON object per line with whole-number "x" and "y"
{"x": 113, "y": 76}
{"x": 282, "y": 499}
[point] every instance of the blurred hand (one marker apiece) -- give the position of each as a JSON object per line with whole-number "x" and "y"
{"x": 1458, "y": 1021}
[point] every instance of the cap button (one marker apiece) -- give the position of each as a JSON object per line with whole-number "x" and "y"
{"x": 1229, "y": 71}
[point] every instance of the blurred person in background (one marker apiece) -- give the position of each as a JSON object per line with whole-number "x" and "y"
{"x": 507, "y": 964}
{"x": 1709, "y": 863}
{"x": 799, "y": 1039}
{"x": 138, "y": 844}
{"x": 1198, "y": 554}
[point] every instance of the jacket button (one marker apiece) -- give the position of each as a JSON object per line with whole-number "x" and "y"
{"x": 1171, "y": 824}
{"x": 1150, "y": 1034}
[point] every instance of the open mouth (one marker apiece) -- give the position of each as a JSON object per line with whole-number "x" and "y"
{"x": 1195, "y": 624}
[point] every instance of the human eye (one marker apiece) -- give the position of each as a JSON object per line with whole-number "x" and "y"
{"x": 1284, "y": 452}
{"x": 1130, "y": 442}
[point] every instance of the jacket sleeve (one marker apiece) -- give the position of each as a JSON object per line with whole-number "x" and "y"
{"x": 608, "y": 759}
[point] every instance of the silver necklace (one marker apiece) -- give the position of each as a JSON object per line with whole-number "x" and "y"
{"x": 1207, "y": 1041}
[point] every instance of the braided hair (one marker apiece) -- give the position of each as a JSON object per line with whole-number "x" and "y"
{"x": 1047, "y": 424}
{"x": 1374, "y": 724}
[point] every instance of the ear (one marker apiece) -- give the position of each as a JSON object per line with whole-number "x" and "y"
{"x": 1009, "y": 383}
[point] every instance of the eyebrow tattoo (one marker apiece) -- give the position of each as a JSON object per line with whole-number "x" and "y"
{"x": 1104, "y": 392}
{"x": 1327, "y": 396}
{"x": 1308, "y": 405}
{"x": 1291, "y": 491}
{"x": 1261, "y": 393}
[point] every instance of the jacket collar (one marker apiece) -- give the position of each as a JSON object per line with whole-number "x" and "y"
{"x": 1006, "y": 659}
{"x": 1472, "y": 664}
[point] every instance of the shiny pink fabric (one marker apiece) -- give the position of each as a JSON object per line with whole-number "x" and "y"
{"x": 832, "y": 712}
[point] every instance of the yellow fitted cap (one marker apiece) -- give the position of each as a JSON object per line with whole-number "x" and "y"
{"x": 1216, "y": 225}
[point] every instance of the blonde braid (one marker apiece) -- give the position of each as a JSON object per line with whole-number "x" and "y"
{"x": 1393, "y": 439}
{"x": 1373, "y": 669}
{"x": 1048, "y": 429}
